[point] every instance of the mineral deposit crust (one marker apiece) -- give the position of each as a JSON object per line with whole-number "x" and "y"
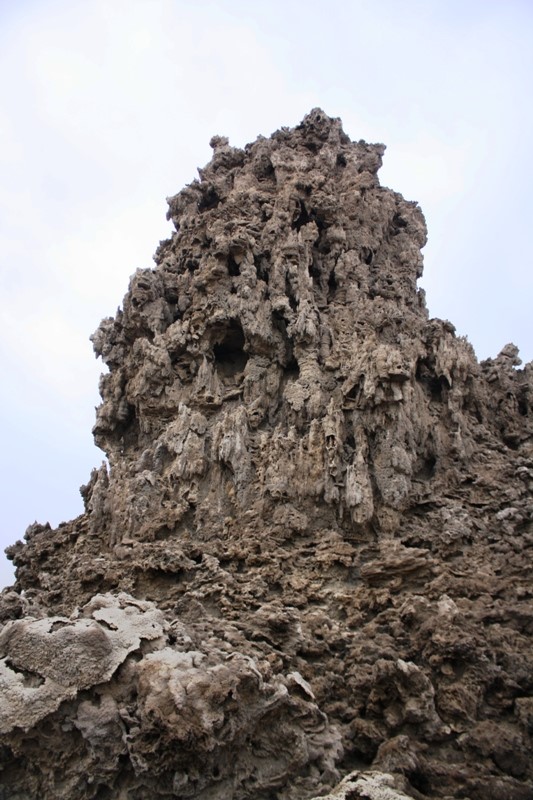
{"x": 305, "y": 570}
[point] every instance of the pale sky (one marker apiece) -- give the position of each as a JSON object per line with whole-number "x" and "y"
{"x": 107, "y": 107}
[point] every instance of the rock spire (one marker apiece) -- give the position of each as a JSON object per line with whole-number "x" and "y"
{"x": 307, "y": 562}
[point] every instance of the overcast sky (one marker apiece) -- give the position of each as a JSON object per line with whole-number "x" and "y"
{"x": 107, "y": 107}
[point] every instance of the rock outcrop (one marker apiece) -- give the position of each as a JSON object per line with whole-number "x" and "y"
{"x": 306, "y": 569}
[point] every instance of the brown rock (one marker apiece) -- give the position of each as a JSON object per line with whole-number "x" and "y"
{"x": 308, "y": 564}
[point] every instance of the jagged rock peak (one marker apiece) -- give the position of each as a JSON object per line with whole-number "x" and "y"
{"x": 307, "y": 564}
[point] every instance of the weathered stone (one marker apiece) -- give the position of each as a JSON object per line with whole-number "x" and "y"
{"x": 310, "y": 551}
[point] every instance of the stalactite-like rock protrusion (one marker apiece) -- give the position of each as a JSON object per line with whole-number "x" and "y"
{"x": 307, "y": 568}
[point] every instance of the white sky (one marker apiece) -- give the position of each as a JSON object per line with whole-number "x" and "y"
{"x": 107, "y": 107}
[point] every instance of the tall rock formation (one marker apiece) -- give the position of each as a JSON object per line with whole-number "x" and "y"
{"x": 308, "y": 563}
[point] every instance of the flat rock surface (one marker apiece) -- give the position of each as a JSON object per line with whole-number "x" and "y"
{"x": 305, "y": 569}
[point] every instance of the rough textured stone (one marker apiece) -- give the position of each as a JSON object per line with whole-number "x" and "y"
{"x": 306, "y": 565}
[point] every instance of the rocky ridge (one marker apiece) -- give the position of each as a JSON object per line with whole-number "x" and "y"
{"x": 307, "y": 565}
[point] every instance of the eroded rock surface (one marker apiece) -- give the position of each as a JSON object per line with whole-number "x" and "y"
{"x": 306, "y": 570}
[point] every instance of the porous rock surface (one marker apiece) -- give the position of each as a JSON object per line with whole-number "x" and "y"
{"x": 306, "y": 571}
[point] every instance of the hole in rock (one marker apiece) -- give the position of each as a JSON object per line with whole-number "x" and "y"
{"x": 293, "y": 302}
{"x": 163, "y": 532}
{"x": 341, "y": 160}
{"x": 209, "y": 199}
{"x": 103, "y": 793}
{"x": 426, "y": 468}
{"x": 233, "y": 267}
{"x": 292, "y": 370}
{"x": 367, "y": 255}
{"x": 471, "y": 406}
{"x": 263, "y": 168}
{"x": 419, "y": 781}
{"x": 435, "y": 385}
{"x": 512, "y": 440}
{"x": 314, "y": 271}
{"x": 312, "y": 146}
{"x": 398, "y": 221}
{"x": 126, "y": 419}
{"x": 301, "y": 217}
{"x": 57, "y": 625}
{"x": 353, "y": 394}
{"x": 321, "y": 223}
{"x": 261, "y": 267}
{"x": 350, "y": 442}
{"x": 279, "y": 324}
{"x": 230, "y": 358}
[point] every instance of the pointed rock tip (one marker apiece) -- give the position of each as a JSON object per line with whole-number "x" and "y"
{"x": 318, "y": 123}
{"x": 216, "y": 142}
